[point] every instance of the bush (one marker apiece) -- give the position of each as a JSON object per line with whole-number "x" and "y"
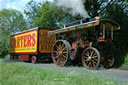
{"x": 126, "y": 59}
{"x": 121, "y": 57}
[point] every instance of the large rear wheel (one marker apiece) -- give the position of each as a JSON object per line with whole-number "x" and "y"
{"x": 61, "y": 53}
{"x": 90, "y": 58}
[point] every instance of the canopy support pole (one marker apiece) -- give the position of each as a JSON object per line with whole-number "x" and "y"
{"x": 112, "y": 32}
{"x": 103, "y": 30}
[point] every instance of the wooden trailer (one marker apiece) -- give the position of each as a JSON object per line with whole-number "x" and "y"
{"x": 85, "y": 42}
{"x": 31, "y": 45}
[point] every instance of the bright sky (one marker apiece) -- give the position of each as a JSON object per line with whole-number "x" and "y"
{"x": 16, "y": 4}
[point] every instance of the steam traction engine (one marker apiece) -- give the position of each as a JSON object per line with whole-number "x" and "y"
{"x": 85, "y": 42}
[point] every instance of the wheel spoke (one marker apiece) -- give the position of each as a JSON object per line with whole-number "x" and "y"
{"x": 60, "y": 52}
{"x": 57, "y": 61}
{"x": 86, "y": 62}
{"x": 91, "y": 53}
{"x": 94, "y": 63}
{"x": 56, "y": 46}
{"x": 55, "y": 51}
{"x": 87, "y": 53}
{"x": 94, "y": 57}
{"x": 85, "y": 57}
{"x": 65, "y": 52}
{"x": 94, "y": 54}
{"x": 108, "y": 59}
{"x": 64, "y": 49}
{"x": 90, "y": 58}
{"x": 56, "y": 57}
{"x": 62, "y": 45}
{"x": 89, "y": 64}
{"x": 59, "y": 43}
{"x": 64, "y": 56}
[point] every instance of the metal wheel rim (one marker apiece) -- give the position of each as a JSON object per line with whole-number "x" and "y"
{"x": 33, "y": 59}
{"x": 60, "y": 53}
{"x": 90, "y": 58}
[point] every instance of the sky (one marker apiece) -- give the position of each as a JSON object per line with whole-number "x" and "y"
{"x": 16, "y": 4}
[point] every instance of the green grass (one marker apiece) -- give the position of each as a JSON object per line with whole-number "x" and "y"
{"x": 7, "y": 56}
{"x": 124, "y": 66}
{"x": 13, "y": 74}
{"x": 126, "y": 60}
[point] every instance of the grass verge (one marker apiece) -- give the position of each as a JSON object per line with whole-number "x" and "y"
{"x": 13, "y": 74}
{"x": 125, "y": 65}
{"x": 126, "y": 59}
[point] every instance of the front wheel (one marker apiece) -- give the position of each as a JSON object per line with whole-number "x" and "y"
{"x": 90, "y": 58}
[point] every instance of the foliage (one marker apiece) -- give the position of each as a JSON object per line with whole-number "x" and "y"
{"x": 31, "y": 12}
{"x": 22, "y": 75}
{"x": 45, "y": 16}
{"x": 101, "y": 7}
{"x": 11, "y": 21}
{"x": 50, "y": 16}
{"x": 4, "y": 42}
{"x": 14, "y": 20}
{"x": 126, "y": 59}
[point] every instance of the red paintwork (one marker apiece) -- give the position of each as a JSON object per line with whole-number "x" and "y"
{"x": 73, "y": 46}
{"x": 73, "y": 52}
{"x": 100, "y": 39}
{"x": 24, "y": 57}
{"x": 108, "y": 41}
{"x": 95, "y": 23}
{"x": 33, "y": 60}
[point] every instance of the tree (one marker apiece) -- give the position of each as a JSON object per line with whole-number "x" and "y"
{"x": 31, "y": 12}
{"x": 98, "y": 7}
{"x": 50, "y": 16}
{"x": 127, "y": 1}
{"x": 4, "y": 42}
{"x": 11, "y": 21}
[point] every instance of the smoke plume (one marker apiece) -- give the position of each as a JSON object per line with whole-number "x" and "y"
{"x": 76, "y": 7}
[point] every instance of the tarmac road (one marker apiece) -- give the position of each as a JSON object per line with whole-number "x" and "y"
{"x": 120, "y": 76}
